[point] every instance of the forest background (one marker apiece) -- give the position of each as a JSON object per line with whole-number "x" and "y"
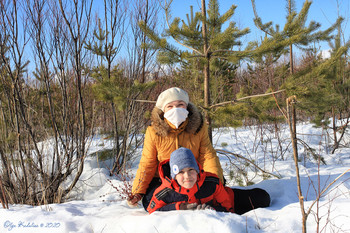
{"x": 69, "y": 72}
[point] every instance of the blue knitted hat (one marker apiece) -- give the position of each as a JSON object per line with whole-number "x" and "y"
{"x": 180, "y": 159}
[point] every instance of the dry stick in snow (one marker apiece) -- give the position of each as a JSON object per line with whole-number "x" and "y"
{"x": 325, "y": 189}
{"x": 291, "y": 119}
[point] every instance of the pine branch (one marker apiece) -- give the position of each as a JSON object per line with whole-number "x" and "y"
{"x": 174, "y": 37}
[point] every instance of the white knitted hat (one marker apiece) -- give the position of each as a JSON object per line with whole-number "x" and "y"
{"x": 171, "y": 95}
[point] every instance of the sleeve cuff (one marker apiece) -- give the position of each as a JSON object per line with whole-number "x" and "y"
{"x": 177, "y": 205}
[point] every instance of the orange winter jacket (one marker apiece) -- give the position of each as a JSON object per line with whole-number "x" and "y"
{"x": 161, "y": 139}
{"x": 207, "y": 190}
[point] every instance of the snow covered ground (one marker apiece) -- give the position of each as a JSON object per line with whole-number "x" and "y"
{"x": 98, "y": 208}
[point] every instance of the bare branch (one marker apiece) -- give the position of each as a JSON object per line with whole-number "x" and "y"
{"x": 325, "y": 189}
{"x": 243, "y": 98}
{"x": 249, "y": 161}
{"x": 144, "y": 101}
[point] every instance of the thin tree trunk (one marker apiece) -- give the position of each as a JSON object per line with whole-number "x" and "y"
{"x": 144, "y": 50}
{"x": 3, "y": 198}
{"x": 336, "y": 144}
{"x": 206, "y": 71}
{"x": 291, "y": 59}
{"x": 290, "y": 46}
{"x": 292, "y": 127}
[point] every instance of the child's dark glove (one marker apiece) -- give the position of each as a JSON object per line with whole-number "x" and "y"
{"x": 188, "y": 206}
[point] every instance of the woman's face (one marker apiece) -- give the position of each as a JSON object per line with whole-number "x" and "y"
{"x": 175, "y": 104}
{"x": 187, "y": 177}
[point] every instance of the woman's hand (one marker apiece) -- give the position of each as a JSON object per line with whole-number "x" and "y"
{"x": 133, "y": 200}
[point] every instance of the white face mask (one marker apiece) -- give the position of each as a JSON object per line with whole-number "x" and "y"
{"x": 176, "y": 116}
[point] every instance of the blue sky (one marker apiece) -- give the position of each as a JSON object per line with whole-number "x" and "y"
{"x": 322, "y": 11}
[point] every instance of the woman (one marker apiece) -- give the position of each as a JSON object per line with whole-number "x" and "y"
{"x": 175, "y": 123}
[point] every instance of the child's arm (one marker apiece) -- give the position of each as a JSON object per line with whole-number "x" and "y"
{"x": 171, "y": 206}
{"x": 166, "y": 207}
{"x": 166, "y": 199}
{"x": 224, "y": 197}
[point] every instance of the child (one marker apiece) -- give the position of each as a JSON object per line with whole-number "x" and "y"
{"x": 185, "y": 186}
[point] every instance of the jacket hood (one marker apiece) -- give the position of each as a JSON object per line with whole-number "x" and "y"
{"x": 162, "y": 128}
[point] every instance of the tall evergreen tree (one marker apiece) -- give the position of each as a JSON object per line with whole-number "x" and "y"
{"x": 295, "y": 32}
{"x": 322, "y": 87}
{"x": 204, "y": 40}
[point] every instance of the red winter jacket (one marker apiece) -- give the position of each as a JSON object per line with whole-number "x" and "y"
{"x": 208, "y": 189}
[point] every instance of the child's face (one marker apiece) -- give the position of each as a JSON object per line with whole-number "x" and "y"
{"x": 187, "y": 177}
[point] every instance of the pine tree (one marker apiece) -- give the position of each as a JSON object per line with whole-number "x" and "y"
{"x": 205, "y": 43}
{"x": 340, "y": 76}
{"x": 322, "y": 87}
{"x": 113, "y": 87}
{"x": 295, "y": 32}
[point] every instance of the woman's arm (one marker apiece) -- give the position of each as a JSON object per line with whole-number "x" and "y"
{"x": 148, "y": 164}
